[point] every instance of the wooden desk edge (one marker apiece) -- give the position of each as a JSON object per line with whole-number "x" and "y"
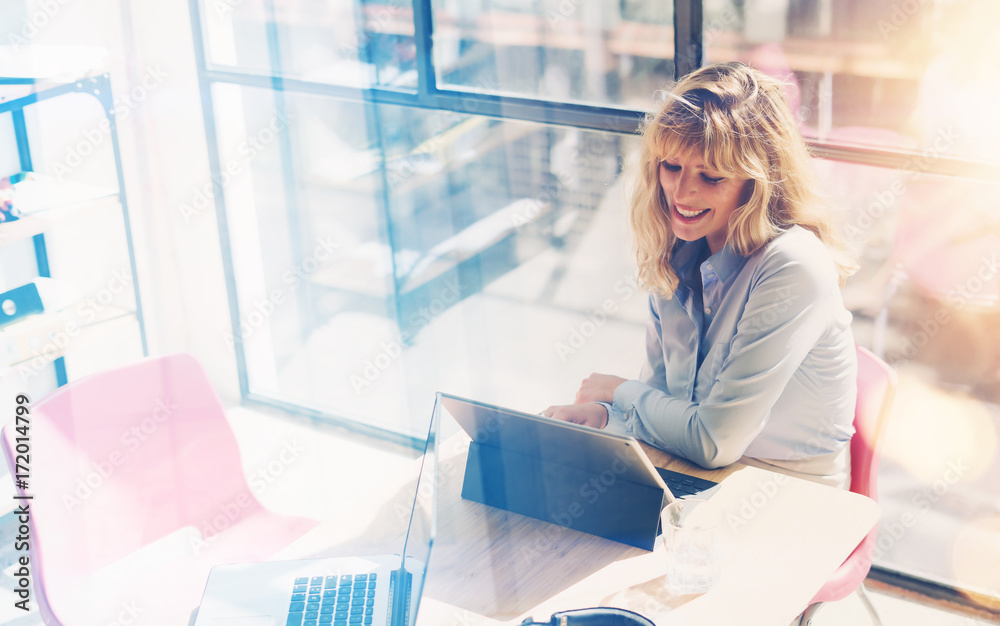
{"x": 661, "y": 458}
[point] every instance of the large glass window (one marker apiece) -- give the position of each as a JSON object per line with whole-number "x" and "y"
{"x": 458, "y": 223}
{"x": 904, "y": 75}
{"x": 609, "y": 53}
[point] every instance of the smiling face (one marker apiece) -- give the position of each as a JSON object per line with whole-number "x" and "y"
{"x": 700, "y": 200}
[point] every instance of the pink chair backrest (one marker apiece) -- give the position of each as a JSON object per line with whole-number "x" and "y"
{"x": 876, "y": 390}
{"x": 126, "y": 457}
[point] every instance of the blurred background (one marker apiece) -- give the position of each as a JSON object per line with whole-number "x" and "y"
{"x": 342, "y": 206}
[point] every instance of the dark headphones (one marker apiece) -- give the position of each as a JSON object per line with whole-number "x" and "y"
{"x": 601, "y": 616}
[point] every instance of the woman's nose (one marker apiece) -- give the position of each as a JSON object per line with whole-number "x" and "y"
{"x": 684, "y": 188}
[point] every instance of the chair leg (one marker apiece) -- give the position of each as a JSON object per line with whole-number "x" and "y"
{"x": 865, "y": 600}
{"x": 806, "y": 619}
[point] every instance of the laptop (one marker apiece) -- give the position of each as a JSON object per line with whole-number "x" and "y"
{"x": 591, "y": 480}
{"x": 342, "y": 591}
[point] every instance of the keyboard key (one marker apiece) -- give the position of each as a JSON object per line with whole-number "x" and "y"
{"x": 326, "y": 619}
{"x": 370, "y": 601}
{"x": 372, "y": 576}
{"x": 331, "y": 581}
{"x": 368, "y": 620}
{"x": 356, "y": 619}
{"x": 346, "y": 578}
{"x": 340, "y": 622}
{"x": 300, "y": 588}
{"x": 371, "y": 592}
{"x": 361, "y": 577}
{"x": 326, "y": 609}
{"x": 329, "y": 593}
{"x": 312, "y": 606}
{"x": 302, "y": 581}
{"x": 309, "y": 622}
{"x": 371, "y": 585}
{"x": 314, "y": 615}
{"x": 297, "y": 607}
{"x": 294, "y": 619}
{"x": 369, "y": 610}
{"x": 298, "y": 597}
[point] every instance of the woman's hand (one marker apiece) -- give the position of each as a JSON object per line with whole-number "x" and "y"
{"x": 598, "y": 388}
{"x": 593, "y": 415}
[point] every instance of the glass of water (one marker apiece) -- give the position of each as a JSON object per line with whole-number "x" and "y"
{"x": 691, "y": 535}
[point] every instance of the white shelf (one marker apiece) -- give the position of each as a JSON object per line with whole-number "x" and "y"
{"x": 49, "y": 334}
{"x": 24, "y": 228}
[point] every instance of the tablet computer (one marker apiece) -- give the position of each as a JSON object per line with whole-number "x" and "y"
{"x": 580, "y": 477}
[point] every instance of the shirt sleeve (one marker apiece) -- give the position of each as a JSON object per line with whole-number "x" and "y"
{"x": 786, "y": 314}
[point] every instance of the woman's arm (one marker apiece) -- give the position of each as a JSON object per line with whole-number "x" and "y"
{"x": 788, "y": 310}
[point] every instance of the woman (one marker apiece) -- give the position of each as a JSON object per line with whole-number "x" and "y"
{"x": 749, "y": 348}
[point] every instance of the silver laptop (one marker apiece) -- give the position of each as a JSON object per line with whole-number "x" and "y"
{"x": 342, "y": 591}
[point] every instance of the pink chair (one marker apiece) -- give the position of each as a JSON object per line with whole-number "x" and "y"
{"x": 876, "y": 389}
{"x": 138, "y": 491}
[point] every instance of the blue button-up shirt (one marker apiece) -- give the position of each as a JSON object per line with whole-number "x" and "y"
{"x": 751, "y": 356}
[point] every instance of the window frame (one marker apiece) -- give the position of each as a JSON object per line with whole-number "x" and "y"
{"x": 689, "y": 55}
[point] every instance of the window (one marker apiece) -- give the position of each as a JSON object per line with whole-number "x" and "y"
{"x": 429, "y": 197}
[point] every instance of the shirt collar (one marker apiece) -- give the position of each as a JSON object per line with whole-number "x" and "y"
{"x": 726, "y": 263}
{"x": 686, "y": 259}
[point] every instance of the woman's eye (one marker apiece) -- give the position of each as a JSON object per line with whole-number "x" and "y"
{"x": 713, "y": 181}
{"x": 669, "y": 167}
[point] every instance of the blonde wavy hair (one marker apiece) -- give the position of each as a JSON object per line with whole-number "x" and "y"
{"x": 737, "y": 118}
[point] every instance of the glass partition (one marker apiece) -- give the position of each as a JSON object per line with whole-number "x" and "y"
{"x": 419, "y": 250}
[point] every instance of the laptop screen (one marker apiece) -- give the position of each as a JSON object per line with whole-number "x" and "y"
{"x": 423, "y": 519}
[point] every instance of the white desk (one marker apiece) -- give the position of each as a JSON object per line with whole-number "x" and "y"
{"x": 783, "y": 538}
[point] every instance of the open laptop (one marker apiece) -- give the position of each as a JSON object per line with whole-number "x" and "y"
{"x": 342, "y": 591}
{"x": 591, "y": 480}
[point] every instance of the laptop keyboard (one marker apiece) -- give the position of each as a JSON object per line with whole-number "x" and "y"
{"x": 683, "y": 485}
{"x": 336, "y": 600}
